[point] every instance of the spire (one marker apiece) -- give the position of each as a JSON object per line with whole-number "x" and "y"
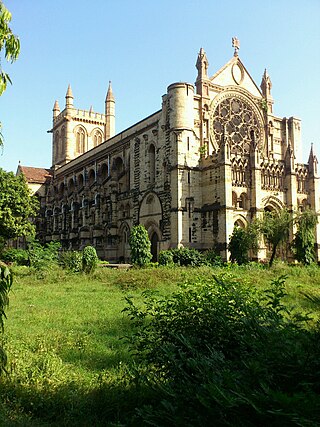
{"x": 266, "y": 86}
{"x": 56, "y": 109}
{"x": 110, "y": 114}
{"x": 69, "y": 97}
{"x": 202, "y": 65}
{"x": 312, "y": 162}
{"x": 110, "y": 96}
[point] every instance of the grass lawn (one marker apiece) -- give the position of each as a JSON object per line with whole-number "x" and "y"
{"x": 67, "y": 362}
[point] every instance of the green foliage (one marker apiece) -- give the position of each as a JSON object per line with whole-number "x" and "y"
{"x": 183, "y": 257}
{"x": 18, "y": 256}
{"x": 43, "y": 256}
{"x": 17, "y": 206}
{"x": 9, "y": 43}
{"x": 217, "y": 350}
{"x": 275, "y": 228}
{"x": 11, "y": 46}
{"x": 5, "y": 286}
{"x": 89, "y": 259}
{"x": 71, "y": 260}
{"x": 304, "y": 240}
{"x": 166, "y": 258}
{"x": 140, "y": 246}
{"x": 241, "y": 241}
{"x": 212, "y": 258}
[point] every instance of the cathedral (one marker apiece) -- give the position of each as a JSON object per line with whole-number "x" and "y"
{"x": 214, "y": 156}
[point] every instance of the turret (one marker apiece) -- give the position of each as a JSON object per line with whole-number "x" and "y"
{"x": 110, "y": 128}
{"x": 266, "y": 87}
{"x": 56, "y": 110}
{"x": 202, "y": 65}
{"x": 69, "y": 98}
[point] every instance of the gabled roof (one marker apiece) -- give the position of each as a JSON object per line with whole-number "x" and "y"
{"x": 235, "y": 73}
{"x": 34, "y": 175}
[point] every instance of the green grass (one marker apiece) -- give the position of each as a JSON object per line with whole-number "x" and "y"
{"x": 67, "y": 361}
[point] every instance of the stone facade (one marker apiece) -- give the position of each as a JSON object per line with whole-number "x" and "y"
{"x": 214, "y": 156}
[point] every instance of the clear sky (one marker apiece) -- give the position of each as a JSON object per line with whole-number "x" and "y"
{"x": 143, "y": 46}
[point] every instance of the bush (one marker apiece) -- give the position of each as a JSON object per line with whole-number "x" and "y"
{"x": 166, "y": 258}
{"x": 18, "y": 256}
{"x": 43, "y": 256}
{"x": 216, "y": 350}
{"x": 140, "y": 246}
{"x": 212, "y": 258}
{"x": 71, "y": 260}
{"x": 187, "y": 256}
{"x": 89, "y": 259}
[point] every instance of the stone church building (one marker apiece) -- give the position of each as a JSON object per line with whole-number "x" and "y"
{"x": 213, "y": 156}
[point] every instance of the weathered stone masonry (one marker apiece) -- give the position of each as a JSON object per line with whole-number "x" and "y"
{"x": 214, "y": 156}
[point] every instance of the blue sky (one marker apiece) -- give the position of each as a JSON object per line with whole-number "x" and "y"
{"x": 144, "y": 46}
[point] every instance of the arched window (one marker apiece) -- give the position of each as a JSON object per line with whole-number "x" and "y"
{"x": 71, "y": 186}
{"x": 104, "y": 172}
{"x": 62, "y": 141}
{"x": 80, "y": 140}
{"x": 91, "y": 176}
{"x": 234, "y": 199}
{"x": 57, "y": 145}
{"x": 152, "y": 163}
{"x": 80, "y": 181}
{"x": 97, "y": 138}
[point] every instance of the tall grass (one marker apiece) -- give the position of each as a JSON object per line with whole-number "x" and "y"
{"x": 67, "y": 362}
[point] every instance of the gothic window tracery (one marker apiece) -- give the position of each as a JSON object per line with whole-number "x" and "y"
{"x": 235, "y": 119}
{"x": 97, "y": 138}
{"x": 80, "y": 140}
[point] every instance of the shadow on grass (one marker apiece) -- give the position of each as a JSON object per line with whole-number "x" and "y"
{"x": 106, "y": 404}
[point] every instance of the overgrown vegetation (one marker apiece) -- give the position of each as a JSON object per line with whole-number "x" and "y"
{"x": 243, "y": 240}
{"x": 218, "y": 350}
{"x": 140, "y": 246}
{"x": 304, "y": 240}
{"x": 189, "y": 257}
{"x": 68, "y": 364}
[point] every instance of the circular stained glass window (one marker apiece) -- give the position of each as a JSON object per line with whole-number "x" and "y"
{"x": 236, "y": 118}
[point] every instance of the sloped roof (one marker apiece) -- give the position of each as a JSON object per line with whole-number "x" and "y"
{"x": 34, "y": 175}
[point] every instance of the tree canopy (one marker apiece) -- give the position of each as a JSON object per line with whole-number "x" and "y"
{"x": 275, "y": 227}
{"x": 17, "y": 206}
{"x": 9, "y": 46}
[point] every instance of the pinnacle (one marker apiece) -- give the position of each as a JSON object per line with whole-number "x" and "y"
{"x": 56, "y": 106}
{"x": 110, "y": 96}
{"x": 69, "y": 93}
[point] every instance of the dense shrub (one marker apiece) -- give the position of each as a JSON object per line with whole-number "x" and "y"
{"x": 304, "y": 240}
{"x": 187, "y": 256}
{"x": 89, "y": 259}
{"x": 43, "y": 256}
{"x": 71, "y": 260}
{"x": 216, "y": 350}
{"x": 212, "y": 258}
{"x": 166, "y": 258}
{"x": 18, "y": 256}
{"x": 140, "y": 246}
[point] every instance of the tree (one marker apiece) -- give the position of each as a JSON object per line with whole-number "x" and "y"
{"x": 304, "y": 240}
{"x": 17, "y": 206}
{"x": 275, "y": 228}
{"x": 10, "y": 44}
{"x": 140, "y": 246}
{"x": 241, "y": 241}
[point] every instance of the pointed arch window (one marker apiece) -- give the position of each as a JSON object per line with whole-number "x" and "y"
{"x": 152, "y": 163}
{"x": 80, "y": 140}
{"x": 97, "y": 138}
{"x": 57, "y": 144}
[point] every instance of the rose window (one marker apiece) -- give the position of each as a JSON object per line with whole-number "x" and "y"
{"x": 235, "y": 118}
